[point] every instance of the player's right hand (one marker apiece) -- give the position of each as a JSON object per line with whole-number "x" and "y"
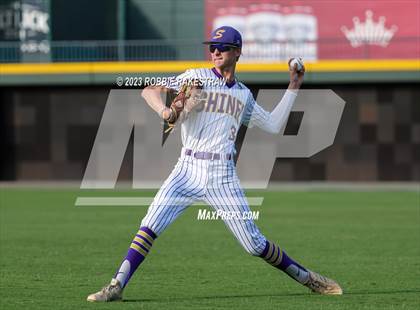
{"x": 296, "y": 77}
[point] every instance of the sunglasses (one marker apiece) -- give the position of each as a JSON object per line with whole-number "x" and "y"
{"x": 221, "y": 47}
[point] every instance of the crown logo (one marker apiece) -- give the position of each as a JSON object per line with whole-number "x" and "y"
{"x": 369, "y": 32}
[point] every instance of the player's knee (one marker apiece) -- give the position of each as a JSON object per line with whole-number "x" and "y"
{"x": 252, "y": 251}
{"x": 256, "y": 248}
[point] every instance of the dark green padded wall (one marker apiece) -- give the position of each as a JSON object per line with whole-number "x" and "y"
{"x": 84, "y": 20}
{"x": 165, "y": 19}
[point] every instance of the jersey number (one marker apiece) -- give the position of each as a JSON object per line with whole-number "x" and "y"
{"x": 232, "y": 133}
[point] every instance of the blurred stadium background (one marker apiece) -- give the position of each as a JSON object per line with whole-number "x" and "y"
{"x": 59, "y": 59}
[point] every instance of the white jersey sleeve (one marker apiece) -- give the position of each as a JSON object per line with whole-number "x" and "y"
{"x": 272, "y": 122}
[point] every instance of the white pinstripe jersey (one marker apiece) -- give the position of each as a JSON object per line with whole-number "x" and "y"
{"x": 212, "y": 127}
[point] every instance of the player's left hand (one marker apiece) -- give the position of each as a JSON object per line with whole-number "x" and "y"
{"x": 296, "y": 76}
{"x": 179, "y": 103}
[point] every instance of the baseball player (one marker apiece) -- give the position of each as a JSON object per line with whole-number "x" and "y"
{"x": 205, "y": 170}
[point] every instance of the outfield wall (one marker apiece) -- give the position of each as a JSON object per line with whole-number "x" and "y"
{"x": 47, "y": 134}
{"x": 106, "y": 73}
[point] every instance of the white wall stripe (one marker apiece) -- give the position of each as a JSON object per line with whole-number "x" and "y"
{"x": 140, "y": 201}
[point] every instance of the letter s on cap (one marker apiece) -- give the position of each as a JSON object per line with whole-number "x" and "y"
{"x": 219, "y": 34}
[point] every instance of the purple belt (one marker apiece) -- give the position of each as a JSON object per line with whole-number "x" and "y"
{"x": 206, "y": 155}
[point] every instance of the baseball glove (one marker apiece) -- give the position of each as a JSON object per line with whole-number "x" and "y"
{"x": 179, "y": 103}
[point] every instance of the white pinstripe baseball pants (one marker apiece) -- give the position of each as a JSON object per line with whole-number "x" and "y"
{"x": 212, "y": 181}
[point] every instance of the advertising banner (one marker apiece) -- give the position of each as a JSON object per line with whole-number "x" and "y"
{"x": 27, "y": 22}
{"x": 315, "y": 29}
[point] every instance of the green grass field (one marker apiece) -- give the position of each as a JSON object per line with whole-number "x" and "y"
{"x": 54, "y": 254}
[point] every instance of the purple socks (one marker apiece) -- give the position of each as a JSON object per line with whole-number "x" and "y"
{"x": 273, "y": 255}
{"x": 139, "y": 248}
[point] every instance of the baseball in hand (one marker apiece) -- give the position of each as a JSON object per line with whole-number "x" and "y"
{"x": 298, "y": 62}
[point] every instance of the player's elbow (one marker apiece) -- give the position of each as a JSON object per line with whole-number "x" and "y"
{"x": 274, "y": 125}
{"x": 256, "y": 247}
{"x": 276, "y": 130}
{"x": 273, "y": 129}
{"x": 145, "y": 93}
{"x": 153, "y": 92}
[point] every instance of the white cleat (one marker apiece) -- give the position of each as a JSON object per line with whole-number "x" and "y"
{"x": 323, "y": 285}
{"x": 111, "y": 292}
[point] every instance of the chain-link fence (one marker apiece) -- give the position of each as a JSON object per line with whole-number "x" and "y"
{"x": 161, "y": 50}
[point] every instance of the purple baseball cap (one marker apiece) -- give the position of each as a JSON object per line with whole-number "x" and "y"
{"x": 225, "y": 35}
